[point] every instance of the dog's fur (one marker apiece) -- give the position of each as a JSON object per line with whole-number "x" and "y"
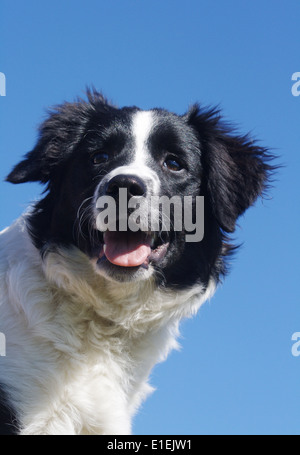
{"x": 83, "y": 332}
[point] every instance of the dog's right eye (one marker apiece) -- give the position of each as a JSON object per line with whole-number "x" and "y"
{"x": 99, "y": 158}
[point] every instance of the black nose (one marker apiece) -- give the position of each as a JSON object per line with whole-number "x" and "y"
{"x": 134, "y": 185}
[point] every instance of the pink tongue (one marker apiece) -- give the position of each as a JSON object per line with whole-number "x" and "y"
{"x": 126, "y": 249}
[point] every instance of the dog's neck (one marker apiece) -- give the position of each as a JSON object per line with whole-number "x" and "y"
{"x": 135, "y": 307}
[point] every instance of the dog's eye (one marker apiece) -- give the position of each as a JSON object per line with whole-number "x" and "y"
{"x": 172, "y": 164}
{"x": 99, "y": 158}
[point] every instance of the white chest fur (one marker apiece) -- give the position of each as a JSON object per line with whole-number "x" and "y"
{"x": 80, "y": 348}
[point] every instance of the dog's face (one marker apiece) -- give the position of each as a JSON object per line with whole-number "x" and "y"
{"x": 91, "y": 153}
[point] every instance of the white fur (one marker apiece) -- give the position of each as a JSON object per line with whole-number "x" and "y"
{"x": 143, "y": 122}
{"x": 142, "y": 125}
{"x": 79, "y": 347}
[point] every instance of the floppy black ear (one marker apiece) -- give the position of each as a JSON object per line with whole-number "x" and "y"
{"x": 235, "y": 169}
{"x": 28, "y": 170}
{"x": 58, "y": 136}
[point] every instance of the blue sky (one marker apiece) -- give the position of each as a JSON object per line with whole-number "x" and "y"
{"x": 235, "y": 373}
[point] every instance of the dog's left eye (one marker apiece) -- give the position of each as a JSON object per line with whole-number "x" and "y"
{"x": 172, "y": 164}
{"x": 99, "y": 158}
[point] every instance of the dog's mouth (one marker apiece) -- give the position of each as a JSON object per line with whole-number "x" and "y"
{"x": 134, "y": 249}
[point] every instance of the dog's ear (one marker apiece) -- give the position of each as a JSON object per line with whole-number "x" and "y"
{"x": 58, "y": 136}
{"x": 235, "y": 169}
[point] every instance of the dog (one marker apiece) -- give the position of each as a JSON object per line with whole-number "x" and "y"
{"x": 88, "y": 312}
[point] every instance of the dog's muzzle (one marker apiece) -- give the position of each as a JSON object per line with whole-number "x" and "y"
{"x": 127, "y": 238}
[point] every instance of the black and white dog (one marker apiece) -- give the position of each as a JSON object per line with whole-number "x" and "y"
{"x": 87, "y": 313}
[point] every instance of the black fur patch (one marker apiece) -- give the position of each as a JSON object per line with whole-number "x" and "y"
{"x": 8, "y": 420}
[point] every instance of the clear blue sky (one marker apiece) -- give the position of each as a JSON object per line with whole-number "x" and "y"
{"x": 235, "y": 373}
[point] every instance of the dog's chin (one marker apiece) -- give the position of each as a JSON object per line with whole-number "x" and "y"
{"x": 120, "y": 274}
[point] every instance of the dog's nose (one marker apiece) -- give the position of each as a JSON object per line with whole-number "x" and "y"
{"x": 133, "y": 184}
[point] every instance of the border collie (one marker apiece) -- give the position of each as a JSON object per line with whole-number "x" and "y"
{"x": 87, "y": 312}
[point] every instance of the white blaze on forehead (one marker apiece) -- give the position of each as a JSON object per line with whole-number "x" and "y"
{"x": 143, "y": 122}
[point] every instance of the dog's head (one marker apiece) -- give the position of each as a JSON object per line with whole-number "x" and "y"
{"x": 106, "y": 170}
